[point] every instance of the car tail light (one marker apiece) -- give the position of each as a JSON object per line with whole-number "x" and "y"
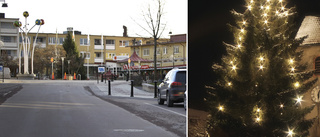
{"x": 176, "y": 84}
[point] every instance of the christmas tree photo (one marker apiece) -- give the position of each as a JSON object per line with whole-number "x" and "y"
{"x": 261, "y": 82}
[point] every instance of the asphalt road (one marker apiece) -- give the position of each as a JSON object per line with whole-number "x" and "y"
{"x": 69, "y": 110}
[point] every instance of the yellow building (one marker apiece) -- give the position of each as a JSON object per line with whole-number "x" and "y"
{"x": 171, "y": 52}
{"x": 100, "y": 50}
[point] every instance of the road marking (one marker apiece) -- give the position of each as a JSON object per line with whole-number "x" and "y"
{"x": 166, "y": 109}
{"x": 128, "y": 130}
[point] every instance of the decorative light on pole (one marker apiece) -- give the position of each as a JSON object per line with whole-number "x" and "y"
{"x": 26, "y": 42}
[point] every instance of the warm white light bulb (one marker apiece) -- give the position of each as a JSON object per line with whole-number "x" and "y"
{"x": 266, "y": 21}
{"x": 229, "y": 84}
{"x": 249, "y": 7}
{"x": 261, "y": 58}
{"x": 297, "y": 84}
{"x": 258, "y": 119}
{"x": 291, "y": 61}
{"x": 290, "y": 133}
{"x": 260, "y": 67}
{"x": 242, "y": 30}
{"x": 239, "y": 46}
{"x": 221, "y": 108}
{"x": 268, "y": 7}
{"x": 292, "y": 69}
{"x": 234, "y": 67}
{"x": 299, "y": 99}
{"x": 244, "y": 22}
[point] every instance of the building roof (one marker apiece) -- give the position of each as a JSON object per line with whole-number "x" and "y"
{"x": 310, "y": 27}
{"x": 135, "y": 58}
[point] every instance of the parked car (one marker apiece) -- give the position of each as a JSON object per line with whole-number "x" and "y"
{"x": 173, "y": 87}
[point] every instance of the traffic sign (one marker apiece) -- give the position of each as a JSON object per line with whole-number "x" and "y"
{"x": 101, "y": 69}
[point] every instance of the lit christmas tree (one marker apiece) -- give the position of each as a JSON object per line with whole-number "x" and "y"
{"x": 261, "y": 83}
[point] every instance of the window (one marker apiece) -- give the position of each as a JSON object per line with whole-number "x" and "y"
{"x": 52, "y": 40}
{"x": 124, "y": 43}
{"x": 98, "y": 54}
{"x": 20, "y": 39}
{"x": 124, "y": 54}
{"x": 176, "y": 49}
{"x": 40, "y": 39}
{"x": 61, "y": 40}
{"x": 97, "y": 41}
{"x": 146, "y": 52}
{"x": 88, "y": 55}
{"x": 83, "y": 41}
{"x": 110, "y": 55}
{"x": 137, "y": 51}
{"x": 110, "y": 42}
{"x": 317, "y": 66}
{"x": 7, "y": 39}
{"x": 7, "y": 25}
{"x": 85, "y": 54}
{"x": 158, "y": 51}
{"x": 165, "y": 50}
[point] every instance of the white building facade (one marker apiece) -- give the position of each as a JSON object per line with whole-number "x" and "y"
{"x": 9, "y": 35}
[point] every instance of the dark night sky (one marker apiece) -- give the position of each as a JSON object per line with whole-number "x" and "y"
{"x": 207, "y": 30}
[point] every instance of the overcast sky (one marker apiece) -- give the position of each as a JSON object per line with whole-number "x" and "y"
{"x": 95, "y": 16}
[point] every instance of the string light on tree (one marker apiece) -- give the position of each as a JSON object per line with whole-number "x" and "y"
{"x": 221, "y": 108}
{"x": 299, "y": 99}
{"x": 260, "y": 72}
{"x": 290, "y": 133}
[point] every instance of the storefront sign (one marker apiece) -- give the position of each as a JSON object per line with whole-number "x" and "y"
{"x": 125, "y": 67}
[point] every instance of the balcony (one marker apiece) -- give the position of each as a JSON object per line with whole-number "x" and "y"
{"x": 98, "y": 60}
{"x": 110, "y": 47}
{"x": 98, "y": 47}
{"x": 3, "y": 30}
{"x": 10, "y": 45}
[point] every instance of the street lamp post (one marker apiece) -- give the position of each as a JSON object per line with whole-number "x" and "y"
{"x": 69, "y": 66}
{"x": 62, "y": 72}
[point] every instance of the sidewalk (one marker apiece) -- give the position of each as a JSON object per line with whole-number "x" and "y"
{"x": 121, "y": 88}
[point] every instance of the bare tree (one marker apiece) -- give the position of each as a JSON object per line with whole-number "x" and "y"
{"x": 152, "y": 17}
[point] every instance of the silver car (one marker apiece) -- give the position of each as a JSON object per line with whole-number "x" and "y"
{"x": 173, "y": 87}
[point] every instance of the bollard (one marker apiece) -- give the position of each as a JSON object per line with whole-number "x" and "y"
{"x": 131, "y": 88}
{"x": 109, "y": 88}
{"x": 101, "y": 77}
{"x": 97, "y": 78}
{"x": 155, "y": 89}
{"x": 128, "y": 77}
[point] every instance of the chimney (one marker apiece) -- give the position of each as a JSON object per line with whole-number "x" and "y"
{"x": 125, "y": 34}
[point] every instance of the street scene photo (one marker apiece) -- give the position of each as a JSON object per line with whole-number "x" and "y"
{"x": 93, "y": 69}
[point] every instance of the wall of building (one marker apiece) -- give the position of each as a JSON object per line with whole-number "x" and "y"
{"x": 310, "y": 53}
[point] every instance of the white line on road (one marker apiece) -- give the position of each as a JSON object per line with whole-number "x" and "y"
{"x": 128, "y": 130}
{"x": 166, "y": 109}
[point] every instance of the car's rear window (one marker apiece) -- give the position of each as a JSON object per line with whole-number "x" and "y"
{"x": 181, "y": 76}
